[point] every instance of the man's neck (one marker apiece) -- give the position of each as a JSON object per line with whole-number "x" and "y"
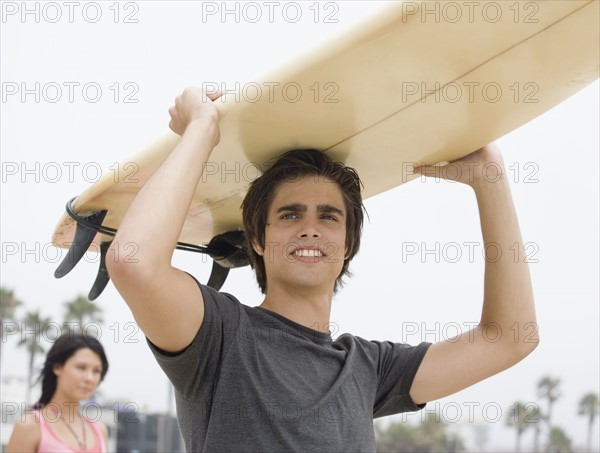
{"x": 308, "y": 308}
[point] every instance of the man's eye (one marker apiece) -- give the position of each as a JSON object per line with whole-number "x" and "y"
{"x": 289, "y": 216}
{"x": 329, "y": 217}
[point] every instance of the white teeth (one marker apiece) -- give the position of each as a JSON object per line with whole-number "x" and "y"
{"x": 308, "y": 253}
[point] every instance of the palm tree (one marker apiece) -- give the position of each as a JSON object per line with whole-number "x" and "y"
{"x": 559, "y": 442}
{"x": 548, "y": 389}
{"x": 35, "y": 325}
{"x": 430, "y": 435}
{"x": 520, "y": 417}
{"x": 8, "y": 305}
{"x": 589, "y": 405}
{"x": 537, "y": 428}
{"x": 83, "y": 311}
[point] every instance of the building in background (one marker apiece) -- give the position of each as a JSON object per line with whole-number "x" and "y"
{"x": 139, "y": 432}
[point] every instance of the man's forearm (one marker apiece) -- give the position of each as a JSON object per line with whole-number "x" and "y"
{"x": 508, "y": 296}
{"x": 156, "y": 216}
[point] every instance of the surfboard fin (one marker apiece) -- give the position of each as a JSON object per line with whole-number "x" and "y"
{"x": 102, "y": 278}
{"x": 83, "y": 238}
{"x": 228, "y": 250}
{"x": 218, "y": 275}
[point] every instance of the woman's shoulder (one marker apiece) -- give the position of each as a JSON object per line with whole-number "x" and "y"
{"x": 26, "y": 433}
{"x": 29, "y": 420}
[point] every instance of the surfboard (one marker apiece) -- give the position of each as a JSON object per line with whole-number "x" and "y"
{"x": 419, "y": 82}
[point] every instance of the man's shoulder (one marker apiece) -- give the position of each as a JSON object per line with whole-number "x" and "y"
{"x": 351, "y": 339}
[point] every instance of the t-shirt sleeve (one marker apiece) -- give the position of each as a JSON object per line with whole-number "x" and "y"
{"x": 194, "y": 371}
{"x": 397, "y": 366}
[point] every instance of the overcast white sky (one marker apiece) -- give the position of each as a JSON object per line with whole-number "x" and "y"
{"x": 393, "y": 295}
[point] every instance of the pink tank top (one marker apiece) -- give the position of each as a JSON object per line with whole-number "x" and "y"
{"x": 51, "y": 443}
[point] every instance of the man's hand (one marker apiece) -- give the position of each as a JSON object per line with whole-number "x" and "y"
{"x": 193, "y": 105}
{"x": 479, "y": 167}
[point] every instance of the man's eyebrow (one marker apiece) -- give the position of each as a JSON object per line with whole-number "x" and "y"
{"x": 329, "y": 208}
{"x": 294, "y": 207}
{"x": 299, "y": 207}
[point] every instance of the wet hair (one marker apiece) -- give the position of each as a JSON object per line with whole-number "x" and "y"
{"x": 290, "y": 167}
{"x": 63, "y": 348}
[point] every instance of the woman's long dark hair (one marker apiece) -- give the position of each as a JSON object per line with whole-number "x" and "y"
{"x": 63, "y": 348}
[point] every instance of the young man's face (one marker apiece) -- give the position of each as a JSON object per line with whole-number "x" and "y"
{"x": 305, "y": 236}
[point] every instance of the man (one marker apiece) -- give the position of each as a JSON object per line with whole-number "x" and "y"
{"x": 270, "y": 378}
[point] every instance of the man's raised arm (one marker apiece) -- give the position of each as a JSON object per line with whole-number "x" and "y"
{"x": 507, "y": 331}
{"x": 165, "y": 301}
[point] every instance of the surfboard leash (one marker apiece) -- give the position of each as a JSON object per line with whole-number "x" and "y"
{"x": 228, "y": 250}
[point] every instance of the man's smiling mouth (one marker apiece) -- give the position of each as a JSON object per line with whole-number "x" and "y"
{"x": 312, "y": 253}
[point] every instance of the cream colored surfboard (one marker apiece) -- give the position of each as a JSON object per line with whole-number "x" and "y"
{"x": 403, "y": 87}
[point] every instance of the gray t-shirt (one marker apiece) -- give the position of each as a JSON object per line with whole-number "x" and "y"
{"x": 252, "y": 380}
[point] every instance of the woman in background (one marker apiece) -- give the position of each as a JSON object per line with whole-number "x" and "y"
{"x": 74, "y": 367}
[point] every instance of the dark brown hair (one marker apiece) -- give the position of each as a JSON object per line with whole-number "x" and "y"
{"x": 63, "y": 348}
{"x": 289, "y": 167}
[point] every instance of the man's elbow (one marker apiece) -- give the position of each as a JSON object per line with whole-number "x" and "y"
{"x": 526, "y": 345}
{"x": 513, "y": 345}
{"x": 124, "y": 265}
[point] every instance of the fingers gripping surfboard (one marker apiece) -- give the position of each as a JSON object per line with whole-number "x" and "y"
{"x": 401, "y": 89}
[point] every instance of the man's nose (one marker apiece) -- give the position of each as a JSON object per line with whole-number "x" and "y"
{"x": 309, "y": 229}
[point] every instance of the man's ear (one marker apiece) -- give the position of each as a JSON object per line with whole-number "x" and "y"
{"x": 257, "y": 248}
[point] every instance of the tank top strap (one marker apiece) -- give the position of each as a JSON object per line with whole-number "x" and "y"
{"x": 49, "y": 441}
{"x": 36, "y": 415}
{"x": 99, "y": 445}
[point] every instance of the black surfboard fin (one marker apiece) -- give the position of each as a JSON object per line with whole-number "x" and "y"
{"x": 218, "y": 275}
{"x": 83, "y": 238}
{"x": 102, "y": 278}
{"x": 228, "y": 250}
